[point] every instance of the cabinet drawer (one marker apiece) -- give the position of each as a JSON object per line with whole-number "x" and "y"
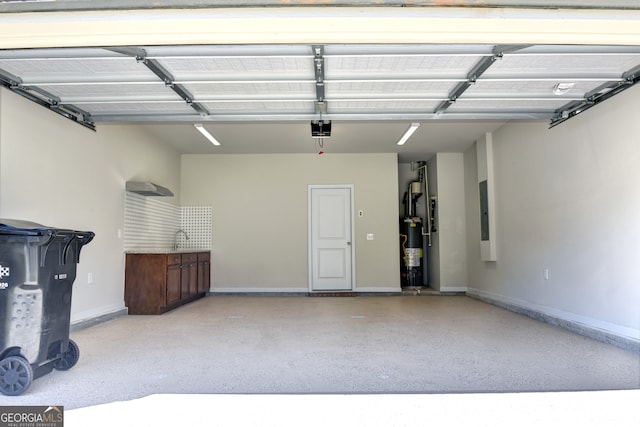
{"x": 174, "y": 259}
{"x": 188, "y": 258}
{"x": 204, "y": 256}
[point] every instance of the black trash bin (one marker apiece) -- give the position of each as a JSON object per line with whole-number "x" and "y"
{"x": 37, "y": 270}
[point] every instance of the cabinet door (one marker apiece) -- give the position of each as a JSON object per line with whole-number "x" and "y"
{"x": 189, "y": 275}
{"x": 204, "y": 273}
{"x": 173, "y": 283}
{"x": 193, "y": 279}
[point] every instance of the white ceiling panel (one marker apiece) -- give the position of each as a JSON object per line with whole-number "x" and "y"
{"x": 484, "y": 106}
{"x": 238, "y": 68}
{"x": 40, "y": 67}
{"x": 398, "y": 66}
{"x": 562, "y": 62}
{"x": 74, "y": 93}
{"x": 251, "y": 90}
{"x": 221, "y": 50}
{"x": 391, "y": 49}
{"x": 383, "y": 107}
{"x": 135, "y": 109}
{"x": 261, "y": 107}
{"x": 564, "y": 66}
{"x": 391, "y": 88}
{"x": 529, "y": 88}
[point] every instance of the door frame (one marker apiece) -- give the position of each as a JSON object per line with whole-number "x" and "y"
{"x": 311, "y": 187}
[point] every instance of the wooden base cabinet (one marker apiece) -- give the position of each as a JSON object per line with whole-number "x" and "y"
{"x": 189, "y": 277}
{"x": 156, "y": 283}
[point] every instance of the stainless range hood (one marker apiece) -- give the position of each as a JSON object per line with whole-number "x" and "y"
{"x": 148, "y": 189}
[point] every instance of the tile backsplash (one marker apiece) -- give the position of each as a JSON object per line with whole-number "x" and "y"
{"x": 196, "y": 222}
{"x": 151, "y": 224}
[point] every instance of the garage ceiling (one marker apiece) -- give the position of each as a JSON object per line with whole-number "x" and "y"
{"x": 300, "y": 82}
{"x": 243, "y": 90}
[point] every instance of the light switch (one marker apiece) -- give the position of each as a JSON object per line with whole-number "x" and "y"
{"x": 369, "y": 236}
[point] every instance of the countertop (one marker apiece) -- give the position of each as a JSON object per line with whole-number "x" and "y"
{"x": 166, "y": 251}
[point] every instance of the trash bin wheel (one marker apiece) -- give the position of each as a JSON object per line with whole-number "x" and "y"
{"x": 16, "y": 375}
{"x": 69, "y": 358}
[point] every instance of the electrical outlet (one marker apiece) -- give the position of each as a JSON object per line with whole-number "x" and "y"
{"x": 360, "y": 213}
{"x": 369, "y": 236}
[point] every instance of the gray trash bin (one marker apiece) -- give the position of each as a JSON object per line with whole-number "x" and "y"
{"x": 37, "y": 270}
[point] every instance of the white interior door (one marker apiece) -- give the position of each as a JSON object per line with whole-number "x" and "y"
{"x": 330, "y": 238}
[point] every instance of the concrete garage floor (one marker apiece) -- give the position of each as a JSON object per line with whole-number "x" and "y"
{"x": 337, "y": 345}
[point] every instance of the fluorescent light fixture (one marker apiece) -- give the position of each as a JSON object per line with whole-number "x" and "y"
{"x": 408, "y": 133}
{"x": 206, "y": 133}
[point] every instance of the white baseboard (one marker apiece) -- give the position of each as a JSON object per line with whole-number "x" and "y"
{"x": 621, "y": 336}
{"x": 251, "y": 290}
{"x": 456, "y": 289}
{"x": 91, "y": 317}
{"x": 372, "y": 289}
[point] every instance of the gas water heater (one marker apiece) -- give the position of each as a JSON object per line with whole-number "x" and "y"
{"x": 412, "y": 234}
{"x": 411, "y": 252}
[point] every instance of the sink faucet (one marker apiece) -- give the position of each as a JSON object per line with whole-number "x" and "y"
{"x": 175, "y": 246}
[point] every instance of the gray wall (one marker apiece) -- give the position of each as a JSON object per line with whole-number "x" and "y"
{"x": 260, "y": 216}
{"x": 451, "y": 235}
{"x": 447, "y": 254}
{"x": 567, "y": 200}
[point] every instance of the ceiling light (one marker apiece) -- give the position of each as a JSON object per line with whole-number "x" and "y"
{"x": 206, "y": 133}
{"x": 562, "y": 88}
{"x": 408, "y": 133}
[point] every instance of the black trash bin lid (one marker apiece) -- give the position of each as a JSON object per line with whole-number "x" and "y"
{"x": 18, "y": 226}
{"x": 22, "y": 228}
